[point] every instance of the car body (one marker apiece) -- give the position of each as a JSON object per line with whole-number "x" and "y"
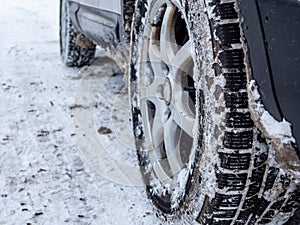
{"x": 99, "y": 20}
{"x": 273, "y": 37}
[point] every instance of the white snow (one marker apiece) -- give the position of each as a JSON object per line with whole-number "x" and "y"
{"x": 43, "y": 178}
{"x": 279, "y": 129}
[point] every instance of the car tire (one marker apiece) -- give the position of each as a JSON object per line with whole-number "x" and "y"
{"x": 76, "y": 50}
{"x": 201, "y": 155}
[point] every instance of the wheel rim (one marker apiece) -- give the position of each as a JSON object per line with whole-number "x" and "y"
{"x": 167, "y": 98}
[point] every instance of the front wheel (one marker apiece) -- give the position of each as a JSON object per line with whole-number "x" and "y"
{"x": 200, "y": 153}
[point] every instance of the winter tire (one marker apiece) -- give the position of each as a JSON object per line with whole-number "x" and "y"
{"x": 76, "y": 50}
{"x": 202, "y": 152}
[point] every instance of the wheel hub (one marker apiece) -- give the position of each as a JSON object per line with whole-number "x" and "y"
{"x": 164, "y": 91}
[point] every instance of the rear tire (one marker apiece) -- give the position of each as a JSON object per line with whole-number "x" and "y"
{"x": 73, "y": 54}
{"x": 230, "y": 175}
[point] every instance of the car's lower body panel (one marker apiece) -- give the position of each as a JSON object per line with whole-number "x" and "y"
{"x": 272, "y": 31}
{"x": 101, "y": 26}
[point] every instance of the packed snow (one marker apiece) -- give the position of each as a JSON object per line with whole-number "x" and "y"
{"x": 43, "y": 177}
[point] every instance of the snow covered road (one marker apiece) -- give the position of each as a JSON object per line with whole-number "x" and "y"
{"x": 43, "y": 178}
{"x": 46, "y": 125}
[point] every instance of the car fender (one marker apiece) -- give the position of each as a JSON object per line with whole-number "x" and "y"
{"x": 271, "y": 28}
{"x": 101, "y": 23}
{"x": 114, "y": 6}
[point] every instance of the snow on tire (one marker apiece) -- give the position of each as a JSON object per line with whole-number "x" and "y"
{"x": 201, "y": 153}
{"x": 73, "y": 53}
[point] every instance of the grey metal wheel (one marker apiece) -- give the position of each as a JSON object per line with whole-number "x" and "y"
{"x": 167, "y": 103}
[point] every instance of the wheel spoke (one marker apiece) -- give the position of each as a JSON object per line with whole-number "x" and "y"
{"x": 172, "y": 139}
{"x": 185, "y": 121}
{"x": 156, "y": 10}
{"x": 182, "y": 59}
{"x": 157, "y": 132}
{"x": 154, "y": 123}
{"x": 155, "y": 70}
{"x": 154, "y": 54}
{"x": 155, "y": 60}
{"x": 160, "y": 168}
{"x": 152, "y": 90}
{"x": 168, "y": 46}
{"x": 147, "y": 124}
